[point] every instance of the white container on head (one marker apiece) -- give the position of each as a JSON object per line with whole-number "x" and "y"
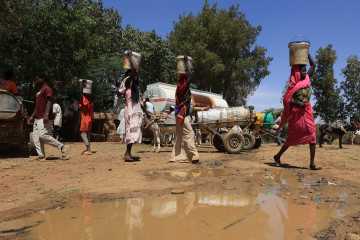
{"x": 136, "y": 58}
{"x": 87, "y": 87}
{"x": 180, "y": 63}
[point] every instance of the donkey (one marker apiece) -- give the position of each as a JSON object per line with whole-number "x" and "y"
{"x": 335, "y": 130}
{"x": 158, "y": 131}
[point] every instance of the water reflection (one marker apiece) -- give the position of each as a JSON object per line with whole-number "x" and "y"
{"x": 193, "y": 215}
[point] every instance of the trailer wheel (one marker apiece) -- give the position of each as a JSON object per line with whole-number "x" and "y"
{"x": 219, "y": 143}
{"x": 257, "y": 143}
{"x": 32, "y": 145}
{"x": 249, "y": 141}
{"x": 234, "y": 142}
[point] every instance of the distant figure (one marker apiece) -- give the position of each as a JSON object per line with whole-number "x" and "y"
{"x": 58, "y": 119}
{"x": 184, "y": 148}
{"x": 149, "y": 106}
{"x": 298, "y": 110}
{"x": 69, "y": 129}
{"x": 86, "y": 107}
{"x": 42, "y": 116}
{"x": 8, "y": 84}
{"x": 115, "y": 93}
{"x": 121, "y": 127}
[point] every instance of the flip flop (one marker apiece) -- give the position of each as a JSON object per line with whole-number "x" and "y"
{"x": 278, "y": 164}
{"x": 184, "y": 161}
{"x": 128, "y": 159}
{"x": 87, "y": 153}
{"x": 316, "y": 168}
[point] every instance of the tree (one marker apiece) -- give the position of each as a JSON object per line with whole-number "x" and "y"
{"x": 329, "y": 102}
{"x": 351, "y": 86}
{"x": 62, "y": 38}
{"x": 227, "y": 59}
{"x": 157, "y": 61}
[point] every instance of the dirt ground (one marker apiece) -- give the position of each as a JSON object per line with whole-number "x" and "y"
{"x": 27, "y": 186}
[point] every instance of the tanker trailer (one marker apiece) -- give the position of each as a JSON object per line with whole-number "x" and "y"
{"x": 232, "y": 141}
{"x": 162, "y": 96}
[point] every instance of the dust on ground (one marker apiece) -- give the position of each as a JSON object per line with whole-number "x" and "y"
{"x": 28, "y": 186}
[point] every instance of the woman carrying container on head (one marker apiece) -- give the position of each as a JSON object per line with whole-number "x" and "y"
{"x": 298, "y": 110}
{"x": 184, "y": 149}
{"x": 86, "y": 107}
{"x": 134, "y": 107}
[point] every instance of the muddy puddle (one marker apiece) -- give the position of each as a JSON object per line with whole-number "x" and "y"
{"x": 288, "y": 206}
{"x": 211, "y": 172}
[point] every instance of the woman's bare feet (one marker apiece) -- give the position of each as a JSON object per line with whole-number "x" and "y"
{"x": 277, "y": 161}
{"x": 314, "y": 167}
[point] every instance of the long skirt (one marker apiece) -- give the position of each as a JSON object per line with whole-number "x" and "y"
{"x": 184, "y": 148}
{"x": 301, "y": 128}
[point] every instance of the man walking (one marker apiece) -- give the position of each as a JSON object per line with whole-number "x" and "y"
{"x": 116, "y": 94}
{"x": 41, "y": 115}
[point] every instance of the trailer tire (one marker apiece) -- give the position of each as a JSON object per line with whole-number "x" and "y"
{"x": 219, "y": 143}
{"x": 234, "y": 142}
{"x": 249, "y": 141}
{"x": 257, "y": 143}
{"x": 32, "y": 145}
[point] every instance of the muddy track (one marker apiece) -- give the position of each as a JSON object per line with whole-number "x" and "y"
{"x": 27, "y": 186}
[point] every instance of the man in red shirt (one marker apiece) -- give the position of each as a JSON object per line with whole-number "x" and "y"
{"x": 42, "y": 117}
{"x": 7, "y": 83}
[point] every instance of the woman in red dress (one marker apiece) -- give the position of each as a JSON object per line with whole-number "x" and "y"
{"x": 298, "y": 110}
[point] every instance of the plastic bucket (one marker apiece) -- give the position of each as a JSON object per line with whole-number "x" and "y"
{"x": 299, "y": 52}
{"x": 136, "y": 58}
{"x": 180, "y": 64}
{"x": 87, "y": 86}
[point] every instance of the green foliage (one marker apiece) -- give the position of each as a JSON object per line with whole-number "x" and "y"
{"x": 157, "y": 62}
{"x": 329, "y": 103}
{"x": 351, "y": 87}
{"x": 227, "y": 59}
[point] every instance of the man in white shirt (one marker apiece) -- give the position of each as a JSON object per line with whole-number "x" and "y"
{"x": 149, "y": 106}
{"x": 58, "y": 119}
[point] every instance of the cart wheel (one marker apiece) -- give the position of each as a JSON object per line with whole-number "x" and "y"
{"x": 31, "y": 144}
{"x": 234, "y": 142}
{"x": 257, "y": 143}
{"x": 249, "y": 141}
{"x": 218, "y": 143}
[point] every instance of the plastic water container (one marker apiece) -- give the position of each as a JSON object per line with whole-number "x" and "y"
{"x": 180, "y": 64}
{"x": 136, "y": 58}
{"x": 222, "y": 117}
{"x": 299, "y": 50}
{"x": 87, "y": 86}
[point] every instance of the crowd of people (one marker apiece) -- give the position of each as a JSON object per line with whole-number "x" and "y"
{"x": 297, "y": 112}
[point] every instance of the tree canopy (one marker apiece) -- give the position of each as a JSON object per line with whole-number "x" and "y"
{"x": 222, "y": 43}
{"x": 329, "y": 103}
{"x": 351, "y": 87}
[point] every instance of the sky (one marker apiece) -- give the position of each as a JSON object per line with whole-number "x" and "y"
{"x": 322, "y": 22}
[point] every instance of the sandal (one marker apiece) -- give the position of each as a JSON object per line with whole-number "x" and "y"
{"x": 128, "y": 159}
{"x": 316, "y": 168}
{"x": 86, "y": 153}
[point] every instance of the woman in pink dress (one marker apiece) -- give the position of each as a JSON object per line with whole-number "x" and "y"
{"x": 134, "y": 109}
{"x": 298, "y": 110}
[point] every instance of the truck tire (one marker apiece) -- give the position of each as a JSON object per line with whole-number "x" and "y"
{"x": 249, "y": 141}
{"x": 32, "y": 145}
{"x": 234, "y": 142}
{"x": 257, "y": 143}
{"x": 219, "y": 143}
